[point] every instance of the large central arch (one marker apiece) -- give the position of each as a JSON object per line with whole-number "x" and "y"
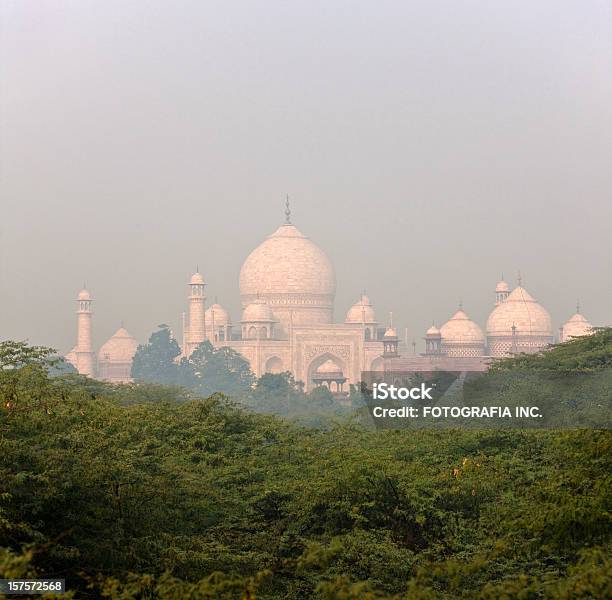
{"x": 316, "y": 362}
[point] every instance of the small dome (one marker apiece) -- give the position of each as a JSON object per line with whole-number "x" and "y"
{"x": 390, "y": 333}
{"x": 361, "y": 312}
{"x": 329, "y": 367}
{"x": 502, "y": 286}
{"x": 84, "y": 295}
{"x": 433, "y": 331}
{"x": 120, "y": 348}
{"x": 522, "y": 311}
{"x": 460, "y": 328}
{"x": 258, "y": 312}
{"x": 197, "y": 278}
{"x": 71, "y": 357}
{"x": 217, "y": 314}
{"x": 576, "y": 326}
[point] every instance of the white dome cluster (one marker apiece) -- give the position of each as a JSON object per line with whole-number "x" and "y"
{"x": 517, "y": 324}
{"x": 288, "y": 287}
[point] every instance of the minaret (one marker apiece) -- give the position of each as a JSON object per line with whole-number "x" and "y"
{"x": 197, "y": 318}
{"x": 84, "y": 347}
{"x": 502, "y": 291}
{"x": 390, "y": 340}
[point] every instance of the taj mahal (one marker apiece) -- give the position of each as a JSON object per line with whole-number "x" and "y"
{"x": 287, "y": 291}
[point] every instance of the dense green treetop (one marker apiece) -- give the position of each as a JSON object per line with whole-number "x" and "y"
{"x": 155, "y": 361}
{"x": 144, "y": 491}
{"x": 582, "y": 354}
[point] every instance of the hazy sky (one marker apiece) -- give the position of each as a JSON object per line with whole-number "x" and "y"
{"x": 427, "y": 146}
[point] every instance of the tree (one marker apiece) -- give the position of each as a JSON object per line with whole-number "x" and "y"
{"x": 155, "y": 362}
{"x": 211, "y": 370}
{"x": 279, "y": 393}
{"x": 14, "y": 355}
{"x": 321, "y": 396}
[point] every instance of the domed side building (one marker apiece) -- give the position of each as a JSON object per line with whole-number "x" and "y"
{"x": 460, "y": 336}
{"x": 115, "y": 357}
{"x": 113, "y": 362}
{"x": 576, "y": 326}
{"x": 518, "y": 324}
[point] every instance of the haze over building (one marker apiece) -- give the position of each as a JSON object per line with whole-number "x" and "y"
{"x": 441, "y": 144}
{"x": 287, "y": 289}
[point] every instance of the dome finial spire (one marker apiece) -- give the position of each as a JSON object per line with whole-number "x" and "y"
{"x": 577, "y": 306}
{"x": 287, "y": 211}
{"x": 520, "y": 279}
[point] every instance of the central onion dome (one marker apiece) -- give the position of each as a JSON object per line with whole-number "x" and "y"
{"x": 461, "y": 336}
{"x": 519, "y": 324}
{"x": 294, "y": 277}
{"x": 361, "y": 312}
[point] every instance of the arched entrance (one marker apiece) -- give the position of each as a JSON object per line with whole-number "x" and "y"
{"x": 378, "y": 364}
{"x": 333, "y": 373}
{"x": 274, "y": 365}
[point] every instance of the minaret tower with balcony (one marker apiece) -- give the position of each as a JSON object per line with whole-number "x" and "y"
{"x": 85, "y": 363}
{"x": 197, "y": 309}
